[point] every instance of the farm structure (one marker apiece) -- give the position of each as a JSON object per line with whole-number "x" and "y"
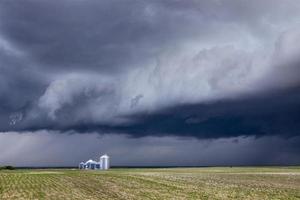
{"x": 103, "y": 164}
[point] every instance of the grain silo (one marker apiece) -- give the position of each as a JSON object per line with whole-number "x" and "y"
{"x": 81, "y": 165}
{"x": 104, "y": 162}
{"x": 90, "y": 164}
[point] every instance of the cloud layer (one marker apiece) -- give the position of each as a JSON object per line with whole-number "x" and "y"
{"x": 207, "y": 69}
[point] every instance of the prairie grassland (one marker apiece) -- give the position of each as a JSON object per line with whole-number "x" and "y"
{"x": 172, "y": 183}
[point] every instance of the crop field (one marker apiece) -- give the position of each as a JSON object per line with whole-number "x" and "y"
{"x": 165, "y": 183}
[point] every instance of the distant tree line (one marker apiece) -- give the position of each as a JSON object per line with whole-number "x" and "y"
{"x": 8, "y": 167}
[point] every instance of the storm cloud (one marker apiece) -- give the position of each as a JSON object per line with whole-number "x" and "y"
{"x": 196, "y": 69}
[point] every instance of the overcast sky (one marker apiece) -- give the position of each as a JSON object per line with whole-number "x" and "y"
{"x": 213, "y": 82}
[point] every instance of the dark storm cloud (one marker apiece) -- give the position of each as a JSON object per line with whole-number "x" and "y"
{"x": 268, "y": 115}
{"x": 97, "y": 35}
{"x": 105, "y": 35}
{"x": 20, "y": 85}
{"x": 272, "y": 114}
{"x": 207, "y": 69}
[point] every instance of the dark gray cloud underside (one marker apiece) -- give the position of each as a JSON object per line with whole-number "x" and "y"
{"x": 275, "y": 114}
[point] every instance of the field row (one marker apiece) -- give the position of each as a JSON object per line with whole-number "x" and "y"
{"x": 178, "y": 183}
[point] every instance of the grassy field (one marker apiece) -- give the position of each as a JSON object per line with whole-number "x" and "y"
{"x": 173, "y": 183}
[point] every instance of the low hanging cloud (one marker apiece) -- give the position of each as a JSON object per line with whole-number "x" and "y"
{"x": 209, "y": 69}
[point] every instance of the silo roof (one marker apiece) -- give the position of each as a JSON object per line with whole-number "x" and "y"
{"x": 91, "y": 161}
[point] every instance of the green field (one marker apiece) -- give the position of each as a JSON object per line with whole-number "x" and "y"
{"x": 173, "y": 183}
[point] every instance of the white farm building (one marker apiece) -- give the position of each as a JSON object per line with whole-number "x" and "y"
{"x": 103, "y": 164}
